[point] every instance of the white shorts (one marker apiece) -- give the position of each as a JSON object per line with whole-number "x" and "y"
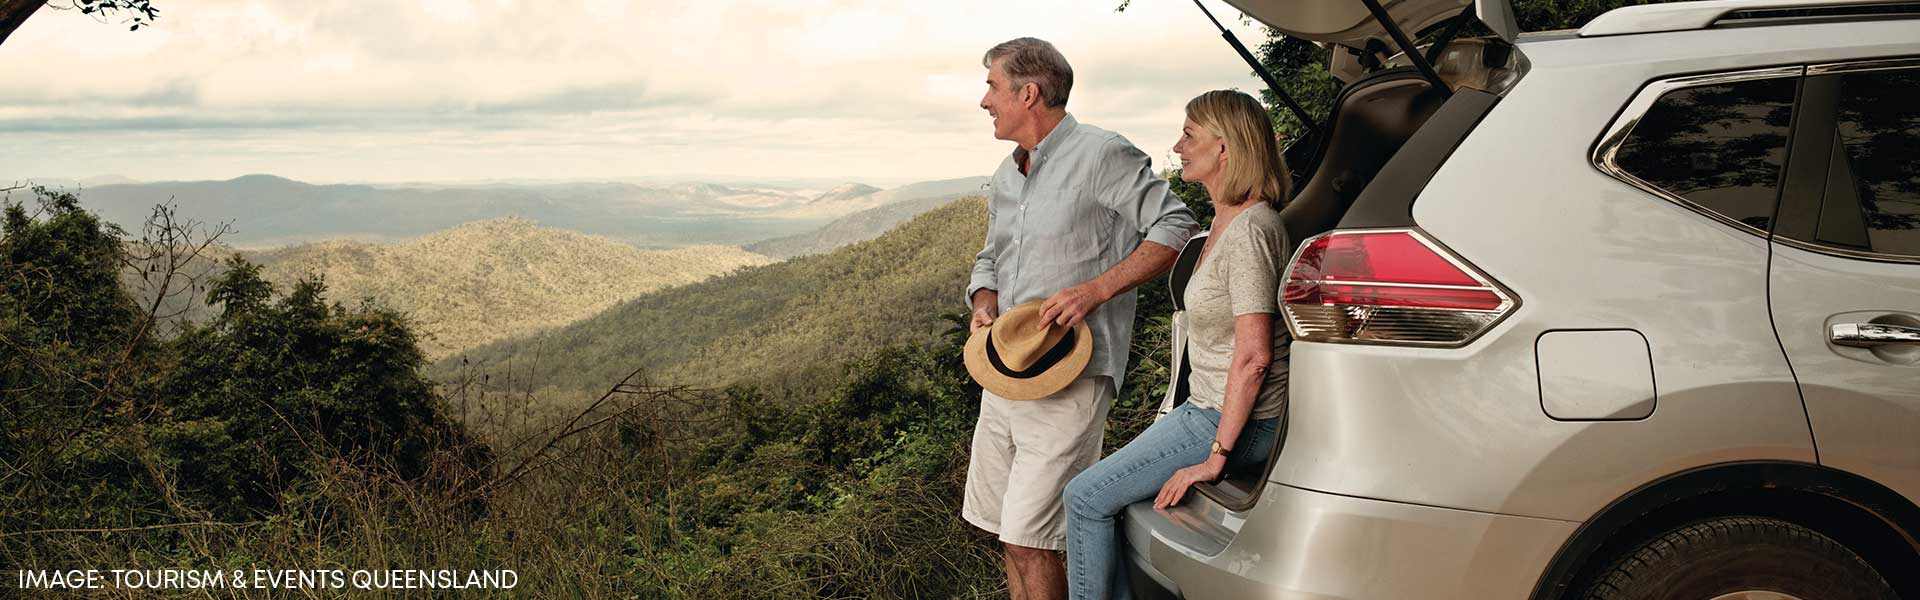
{"x": 1025, "y": 452}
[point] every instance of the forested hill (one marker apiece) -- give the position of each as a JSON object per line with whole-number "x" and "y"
{"x": 895, "y": 206}
{"x": 788, "y": 322}
{"x": 496, "y": 279}
{"x": 856, "y": 227}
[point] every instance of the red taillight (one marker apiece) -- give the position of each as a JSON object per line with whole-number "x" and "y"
{"x": 1388, "y": 287}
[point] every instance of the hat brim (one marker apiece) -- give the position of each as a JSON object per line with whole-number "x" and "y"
{"x": 1047, "y": 383}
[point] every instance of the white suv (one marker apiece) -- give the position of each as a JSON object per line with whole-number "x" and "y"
{"x": 1631, "y": 311}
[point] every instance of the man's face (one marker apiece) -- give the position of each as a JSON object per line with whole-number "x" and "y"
{"x": 1003, "y": 101}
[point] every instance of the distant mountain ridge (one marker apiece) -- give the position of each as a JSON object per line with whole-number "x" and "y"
{"x": 268, "y": 210}
{"x": 777, "y": 322}
{"x": 856, "y": 227}
{"x": 845, "y": 192}
{"x": 495, "y": 279}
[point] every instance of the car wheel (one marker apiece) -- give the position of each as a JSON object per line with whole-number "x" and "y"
{"x": 1740, "y": 558}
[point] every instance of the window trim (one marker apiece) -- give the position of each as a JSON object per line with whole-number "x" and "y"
{"x": 1859, "y": 66}
{"x": 1844, "y": 68}
{"x": 1606, "y": 151}
{"x": 1846, "y": 252}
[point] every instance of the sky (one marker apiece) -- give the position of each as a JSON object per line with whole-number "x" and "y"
{"x": 390, "y": 91}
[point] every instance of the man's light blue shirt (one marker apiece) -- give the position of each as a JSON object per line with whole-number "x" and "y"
{"x": 1087, "y": 200}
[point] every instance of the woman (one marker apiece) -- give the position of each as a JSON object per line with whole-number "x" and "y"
{"x": 1239, "y": 381}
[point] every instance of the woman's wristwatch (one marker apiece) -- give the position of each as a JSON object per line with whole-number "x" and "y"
{"x": 1222, "y": 451}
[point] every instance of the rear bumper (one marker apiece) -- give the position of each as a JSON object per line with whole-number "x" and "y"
{"x": 1301, "y": 544}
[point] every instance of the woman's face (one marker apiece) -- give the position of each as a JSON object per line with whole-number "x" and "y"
{"x": 1201, "y": 153}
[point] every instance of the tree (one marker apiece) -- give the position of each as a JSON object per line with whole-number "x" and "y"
{"x": 108, "y": 422}
{"x": 14, "y": 13}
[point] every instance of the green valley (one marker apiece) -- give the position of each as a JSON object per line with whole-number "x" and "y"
{"x": 790, "y": 322}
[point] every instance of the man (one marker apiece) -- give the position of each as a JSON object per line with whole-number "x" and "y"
{"x": 1077, "y": 218}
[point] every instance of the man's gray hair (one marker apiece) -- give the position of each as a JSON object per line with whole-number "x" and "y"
{"x": 1033, "y": 60}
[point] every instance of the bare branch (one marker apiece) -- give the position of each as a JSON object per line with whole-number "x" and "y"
{"x": 649, "y": 399}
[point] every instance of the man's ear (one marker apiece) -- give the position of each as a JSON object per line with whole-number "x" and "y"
{"x": 1030, "y": 94}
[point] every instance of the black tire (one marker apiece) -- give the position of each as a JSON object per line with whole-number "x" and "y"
{"x": 1708, "y": 559}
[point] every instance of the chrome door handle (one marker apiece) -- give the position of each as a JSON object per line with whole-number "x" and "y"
{"x": 1871, "y": 335}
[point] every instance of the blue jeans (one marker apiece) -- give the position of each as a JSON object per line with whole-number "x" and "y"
{"x": 1134, "y": 473}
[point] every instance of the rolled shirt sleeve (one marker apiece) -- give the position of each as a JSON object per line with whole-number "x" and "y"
{"x": 1085, "y": 201}
{"x": 985, "y": 263}
{"x": 1143, "y": 200}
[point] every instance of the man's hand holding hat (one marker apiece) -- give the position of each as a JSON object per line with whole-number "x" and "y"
{"x": 986, "y": 307}
{"x": 1021, "y": 356}
{"x": 1070, "y": 306}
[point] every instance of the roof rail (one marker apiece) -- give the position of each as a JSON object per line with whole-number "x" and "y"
{"x": 1682, "y": 16}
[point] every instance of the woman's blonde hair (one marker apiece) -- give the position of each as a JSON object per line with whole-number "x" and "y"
{"x": 1255, "y": 167}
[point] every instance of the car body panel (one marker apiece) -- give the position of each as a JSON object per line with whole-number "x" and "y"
{"x": 1602, "y": 375}
{"x": 1300, "y": 544}
{"x": 1608, "y": 257}
{"x": 1864, "y": 405}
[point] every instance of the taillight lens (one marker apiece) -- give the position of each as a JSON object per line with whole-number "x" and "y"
{"x": 1388, "y": 287}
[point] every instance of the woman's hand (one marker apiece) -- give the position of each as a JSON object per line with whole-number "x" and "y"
{"x": 1176, "y": 487}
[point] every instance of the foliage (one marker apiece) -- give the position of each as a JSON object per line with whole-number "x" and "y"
{"x": 304, "y": 381}
{"x": 497, "y": 279}
{"x": 854, "y": 495}
{"x": 65, "y": 325}
{"x": 792, "y": 323}
{"x": 290, "y": 430}
{"x": 140, "y": 12}
{"x": 14, "y": 13}
{"x": 61, "y": 273}
{"x": 1548, "y": 15}
{"x": 108, "y": 424}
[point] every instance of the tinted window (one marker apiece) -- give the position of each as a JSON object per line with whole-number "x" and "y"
{"x": 1719, "y": 146}
{"x": 1876, "y": 165}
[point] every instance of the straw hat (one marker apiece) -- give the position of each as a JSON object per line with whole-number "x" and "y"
{"x": 1021, "y": 357}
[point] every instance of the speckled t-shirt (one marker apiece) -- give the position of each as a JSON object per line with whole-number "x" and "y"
{"x": 1239, "y": 275}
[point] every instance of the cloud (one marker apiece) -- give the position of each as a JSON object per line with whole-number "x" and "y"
{"x": 342, "y": 90}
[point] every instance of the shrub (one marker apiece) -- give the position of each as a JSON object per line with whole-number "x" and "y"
{"x": 296, "y": 381}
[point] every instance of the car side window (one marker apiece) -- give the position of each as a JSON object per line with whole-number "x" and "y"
{"x": 1872, "y": 197}
{"x": 1719, "y": 146}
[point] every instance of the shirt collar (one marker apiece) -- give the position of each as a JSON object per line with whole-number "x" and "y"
{"x": 1044, "y": 150}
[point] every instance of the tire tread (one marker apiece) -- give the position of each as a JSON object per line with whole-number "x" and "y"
{"x": 1638, "y": 573}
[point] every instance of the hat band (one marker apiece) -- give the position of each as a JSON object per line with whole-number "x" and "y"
{"x": 1059, "y": 352}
